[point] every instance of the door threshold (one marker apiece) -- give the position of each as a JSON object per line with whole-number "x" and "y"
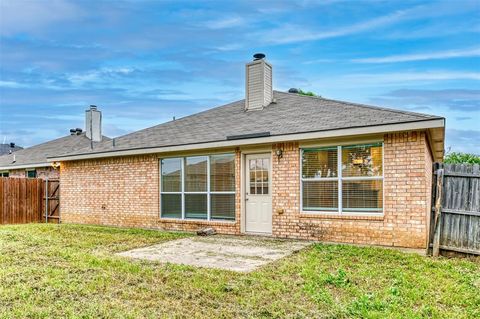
{"x": 260, "y": 234}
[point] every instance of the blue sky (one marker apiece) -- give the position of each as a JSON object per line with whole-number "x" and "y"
{"x": 143, "y": 62}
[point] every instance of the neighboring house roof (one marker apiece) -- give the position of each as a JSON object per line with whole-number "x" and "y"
{"x": 6, "y": 148}
{"x": 36, "y": 156}
{"x": 290, "y": 114}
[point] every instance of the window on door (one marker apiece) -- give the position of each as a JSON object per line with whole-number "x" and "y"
{"x": 4, "y": 174}
{"x": 343, "y": 179}
{"x": 258, "y": 179}
{"x": 198, "y": 187}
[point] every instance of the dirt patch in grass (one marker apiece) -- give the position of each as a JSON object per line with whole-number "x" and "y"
{"x": 72, "y": 271}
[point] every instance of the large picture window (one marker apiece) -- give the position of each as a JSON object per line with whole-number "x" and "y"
{"x": 343, "y": 179}
{"x": 198, "y": 187}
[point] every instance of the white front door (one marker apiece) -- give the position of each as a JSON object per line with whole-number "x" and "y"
{"x": 258, "y": 207}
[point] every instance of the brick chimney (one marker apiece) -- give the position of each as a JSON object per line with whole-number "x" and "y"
{"x": 93, "y": 124}
{"x": 258, "y": 83}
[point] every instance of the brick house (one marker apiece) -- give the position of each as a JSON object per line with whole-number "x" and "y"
{"x": 32, "y": 162}
{"x": 275, "y": 163}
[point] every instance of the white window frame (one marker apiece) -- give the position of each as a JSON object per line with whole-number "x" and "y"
{"x": 339, "y": 179}
{"x": 208, "y": 192}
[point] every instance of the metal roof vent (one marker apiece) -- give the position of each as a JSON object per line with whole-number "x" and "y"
{"x": 12, "y": 145}
{"x": 258, "y": 56}
{"x": 78, "y": 131}
{"x": 73, "y": 131}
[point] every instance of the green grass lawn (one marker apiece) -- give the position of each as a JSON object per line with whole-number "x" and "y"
{"x": 70, "y": 271}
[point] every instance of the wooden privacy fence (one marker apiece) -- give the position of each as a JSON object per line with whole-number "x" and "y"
{"x": 21, "y": 200}
{"x": 455, "y": 215}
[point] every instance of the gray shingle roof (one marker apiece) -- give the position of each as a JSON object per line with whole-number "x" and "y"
{"x": 291, "y": 113}
{"x": 5, "y": 148}
{"x": 38, "y": 154}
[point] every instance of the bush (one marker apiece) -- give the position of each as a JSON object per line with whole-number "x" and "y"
{"x": 309, "y": 93}
{"x": 459, "y": 158}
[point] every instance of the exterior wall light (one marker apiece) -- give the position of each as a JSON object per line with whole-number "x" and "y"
{"x": 55, "y": 165}
{"x": 279, "y": 153}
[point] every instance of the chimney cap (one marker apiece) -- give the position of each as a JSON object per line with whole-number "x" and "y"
{"x": 258, "y": 56}
{"x": 293, "y": 90}
{"x": 93, "y": 107}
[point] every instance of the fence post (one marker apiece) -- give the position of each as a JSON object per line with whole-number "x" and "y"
{"x": 46, "y": 200}
{"x": 438, "y": 214}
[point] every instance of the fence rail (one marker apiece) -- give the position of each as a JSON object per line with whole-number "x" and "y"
{"x": 21, "y": 200}
{"x": 455, "y": 216}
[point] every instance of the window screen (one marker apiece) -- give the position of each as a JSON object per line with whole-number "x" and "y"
{"x": 222, "y": 173}
{"x": 354, "y": 186}
{"x": 171, "y": 174}
{"x": 198, "y": 187}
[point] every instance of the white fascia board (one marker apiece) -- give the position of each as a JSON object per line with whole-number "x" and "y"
{"x": 22, "y": 166}
{"x": 261, "y": 140}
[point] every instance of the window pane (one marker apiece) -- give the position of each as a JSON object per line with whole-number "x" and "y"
{"x": 171, "y": 205}
{"x": 320, "y": 163}
{"x": 318, "y": 195}
{"x": 196, "y": 174}
{"x": 252, "y": 189}
{"x": 265, "y": 188}
{"x": 196, "y": 206}
{"x": 222, "y": 173}
{"x": 222, "y": 206}
{"x": 362, "y": 160}
{"x": 362, "y": 196}
{"x": 171, "y": 174}
{"x": 31, "y": 174}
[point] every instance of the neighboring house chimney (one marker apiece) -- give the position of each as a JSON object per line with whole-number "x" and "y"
{"x": 93, "y": 124}
{"x": 258, "y": 88}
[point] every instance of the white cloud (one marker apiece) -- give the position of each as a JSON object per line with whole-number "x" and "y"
{"x": 462, "y": 53}
{"x": 225, "y": 23}
{"x": 97, "y": 75}
{"x": 296, "y": 33}
{"x": 11, "y": 84}
{"x": 18, "y": 16}
{"x": 401, "y": 77}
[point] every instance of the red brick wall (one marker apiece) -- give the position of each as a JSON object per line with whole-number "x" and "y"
{"x": 42, "y": 172}
{"x": 125, "y": 192}
{"x": 406, "y": 188}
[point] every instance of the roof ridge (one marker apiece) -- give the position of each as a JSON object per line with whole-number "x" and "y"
{"x": 363, "y": 105}
{"x": 29, "y": 148}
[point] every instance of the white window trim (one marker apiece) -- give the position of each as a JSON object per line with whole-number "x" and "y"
{"x": 339, "y": 211}
{"x": 209, "y": 192}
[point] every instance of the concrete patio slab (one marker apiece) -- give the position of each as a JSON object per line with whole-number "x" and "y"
{"x": 237, "y": 253}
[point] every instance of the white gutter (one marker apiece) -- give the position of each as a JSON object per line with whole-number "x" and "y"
{"x": 3, "y": 168}
{"x": 261, "y": 140}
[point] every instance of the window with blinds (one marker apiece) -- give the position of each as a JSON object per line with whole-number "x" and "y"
{"x": 343, "y": 179}
{"x": 198, "y": 187}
